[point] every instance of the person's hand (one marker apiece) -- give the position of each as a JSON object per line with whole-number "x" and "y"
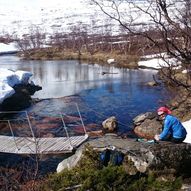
{"x": 156, "y": 137}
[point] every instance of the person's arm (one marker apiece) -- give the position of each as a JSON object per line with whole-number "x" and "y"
{"x": 167, "y": 125}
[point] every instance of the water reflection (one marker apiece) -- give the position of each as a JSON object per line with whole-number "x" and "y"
{"x": 63, "y": 78}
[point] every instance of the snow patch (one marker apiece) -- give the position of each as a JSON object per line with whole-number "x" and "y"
{"x": 157, "y": 61}
{"x": 5, "y": 91}
{"x": 8, "y": 79}
{"x": 7, "y": 47}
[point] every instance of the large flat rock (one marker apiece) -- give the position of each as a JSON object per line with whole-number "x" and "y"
{"x": 144, "y": 156}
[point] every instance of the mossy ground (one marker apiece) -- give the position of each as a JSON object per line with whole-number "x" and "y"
{"x": 90, "y": 174}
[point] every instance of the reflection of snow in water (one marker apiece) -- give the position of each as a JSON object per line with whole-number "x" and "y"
{"x": 123, "y": 95}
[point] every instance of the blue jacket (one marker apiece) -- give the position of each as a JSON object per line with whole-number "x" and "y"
{"x": 174, "y": 127}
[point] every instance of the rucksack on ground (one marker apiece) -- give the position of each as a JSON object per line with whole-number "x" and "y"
{"x": 116, "y": 158}
{"x": 113, "y": 157}
{"x": 105, "y": 157}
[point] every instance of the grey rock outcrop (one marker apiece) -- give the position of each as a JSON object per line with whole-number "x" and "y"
{"x": 145, "y": 156}
{"x": 139, "y": 157}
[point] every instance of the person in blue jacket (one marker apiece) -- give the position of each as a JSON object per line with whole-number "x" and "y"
{"x": 173, "y": 130}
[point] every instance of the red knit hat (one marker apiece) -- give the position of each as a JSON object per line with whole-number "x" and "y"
{"x": 162, "y": 110}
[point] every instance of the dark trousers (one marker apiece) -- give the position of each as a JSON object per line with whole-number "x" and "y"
{"x": 177, "y": 140}
{"x": 174, "y": 140}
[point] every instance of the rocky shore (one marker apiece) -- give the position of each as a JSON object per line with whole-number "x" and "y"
{"x": 166, "y": 159}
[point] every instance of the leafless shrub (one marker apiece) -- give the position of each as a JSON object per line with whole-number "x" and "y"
{"x": 169, "y": 19}
{"x": 32, "y": 41}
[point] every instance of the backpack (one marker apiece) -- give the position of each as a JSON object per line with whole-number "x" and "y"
{"x": 105, "y": 157}
{"x": 116, "y": 158}
{"x": 113, "y": 157}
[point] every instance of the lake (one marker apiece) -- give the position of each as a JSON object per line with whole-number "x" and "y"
{"x": 120, "y": 92}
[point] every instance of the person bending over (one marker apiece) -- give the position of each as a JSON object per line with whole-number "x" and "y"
{"x": 173, "y": 130}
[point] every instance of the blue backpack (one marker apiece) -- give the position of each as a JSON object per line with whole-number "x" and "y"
{"x": 113, "y": 157}
{"x": 116, "y": 158}
{"x": 105, "y": 157}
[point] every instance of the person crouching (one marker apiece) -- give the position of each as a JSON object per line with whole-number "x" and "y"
{"x": 173, "y": 130}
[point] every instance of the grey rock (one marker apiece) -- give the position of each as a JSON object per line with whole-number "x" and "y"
{"x": 145, "y": 156}
{"x": 21, "y": 99}
{"x": 152, "y": 83}
{"x": 140, "y": 118}
{"x": 148, "y": 128}
{"x": 110, "y": 124}
{"x": 70, "y": 162}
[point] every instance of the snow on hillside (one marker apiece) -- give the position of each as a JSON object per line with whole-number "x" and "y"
{"x": 17, "y": 17}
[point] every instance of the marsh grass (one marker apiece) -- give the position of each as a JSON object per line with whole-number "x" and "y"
{"x": 51, "y": 53}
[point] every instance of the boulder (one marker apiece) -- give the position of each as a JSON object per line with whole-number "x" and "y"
{"x": 110, "y": 124}
{"x": 147, "y": 125}
{"x": 69, "y": 162}
{"x": 21, "y": 98}
{"x": 148, "y": 128}
{"x": 162, "y": 156}
{"x": 29, "y": 89}
{"x": 140, "y": 118}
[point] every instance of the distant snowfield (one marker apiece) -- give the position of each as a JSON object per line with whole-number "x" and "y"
{"x": 18, "y": 17}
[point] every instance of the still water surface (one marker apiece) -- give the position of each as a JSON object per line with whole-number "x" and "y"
{"x": 122, "y": 94}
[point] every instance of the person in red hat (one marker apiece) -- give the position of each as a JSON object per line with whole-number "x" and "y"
{"x": 173, "y": 130}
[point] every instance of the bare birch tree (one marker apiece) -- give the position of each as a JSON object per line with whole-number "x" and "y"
{"x": 32, "y": 41}
{"x": 166, "y": 24}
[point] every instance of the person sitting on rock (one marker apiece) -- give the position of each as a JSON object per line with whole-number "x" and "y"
{"x": 173, "y": 130}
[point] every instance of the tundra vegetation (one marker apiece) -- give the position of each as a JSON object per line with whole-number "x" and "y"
{"x": 168, "y": 31}
{"x": 90, "y": 174}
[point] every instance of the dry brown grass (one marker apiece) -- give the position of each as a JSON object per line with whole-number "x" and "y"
{"x": 129, "y": 61}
